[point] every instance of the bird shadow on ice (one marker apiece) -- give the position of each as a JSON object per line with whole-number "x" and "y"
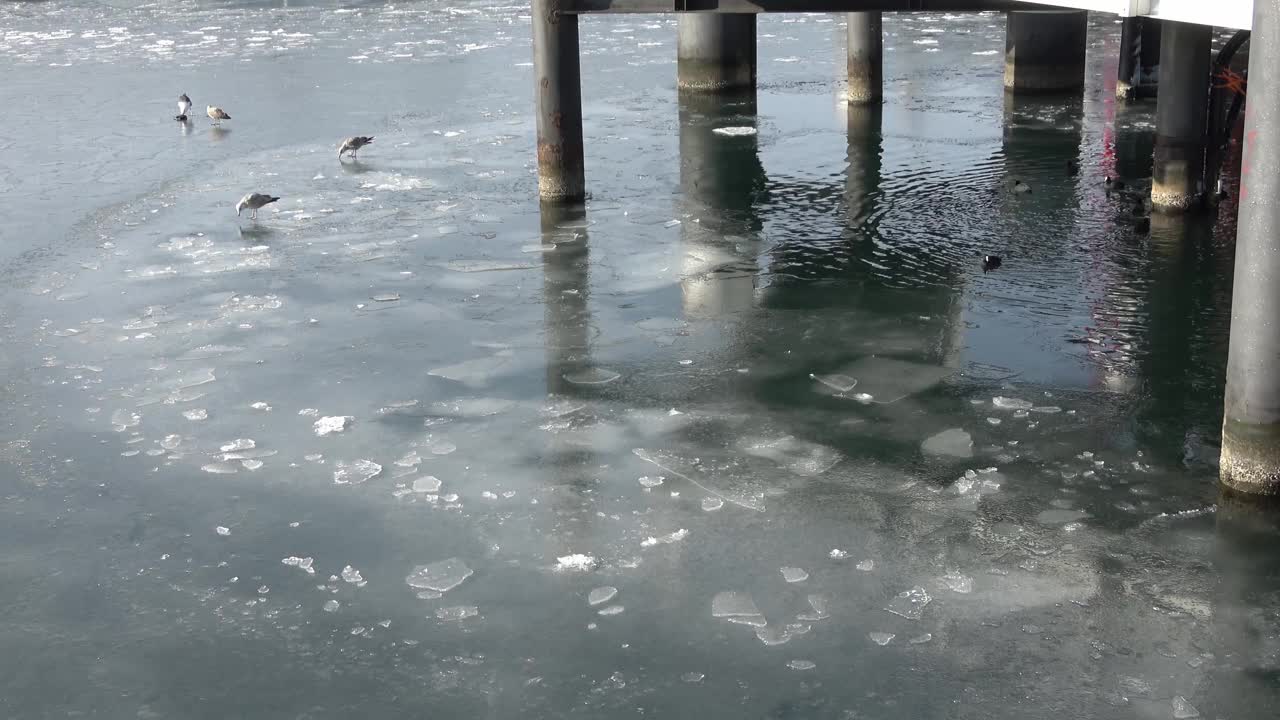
{"x": 217, "y": 132}
{"x": 256, "y": 232}
{"x": 355, "y": 167}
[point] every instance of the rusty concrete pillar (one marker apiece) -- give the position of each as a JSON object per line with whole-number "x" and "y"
{"x": 865, "y": 58}
{"x": 561, "y": 176}
{"x": 1181, "y": 111}
{"x": 1044, "y": 51}
{"x": 715, "y": 52}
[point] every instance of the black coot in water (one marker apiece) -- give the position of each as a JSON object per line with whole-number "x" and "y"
{"x": 991, "y": 262}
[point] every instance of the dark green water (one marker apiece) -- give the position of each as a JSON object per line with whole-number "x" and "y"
{"x": 760, "y": 385}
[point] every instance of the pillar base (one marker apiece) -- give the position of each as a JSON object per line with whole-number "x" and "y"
{"x": 1175, "y": 181}
{"x": 1045, "y": 51}
{"x": 1128, "y": 92}
{"x": 1251, "y": 458}
{"x": 715, "y": 53}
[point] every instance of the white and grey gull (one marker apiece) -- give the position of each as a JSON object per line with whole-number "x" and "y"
{"x": 184, "y": 105}
{"x": 216, "y": 114}
{"x": 254, "y": 201}
{"x": 353, "y": 144}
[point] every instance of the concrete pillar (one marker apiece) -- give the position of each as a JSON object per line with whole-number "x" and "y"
{"x": 1044, "y": 51}
{"x": 865, "y": 58}
{"x": 1251, "y": 416}
{"x": 715, "y": 52}
{"x": 1138, "y": 75}
{"x": 1181, "y": 111}
{"x": 561, "y": 177}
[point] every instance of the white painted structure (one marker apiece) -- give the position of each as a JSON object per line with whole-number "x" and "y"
{"x": 1236, "y": 14}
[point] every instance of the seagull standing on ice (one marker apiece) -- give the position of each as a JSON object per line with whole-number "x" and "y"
{"x": 254, "y": 201}
{"x": 352, "y": 145}
{"x": 184, "y": 104}
{"x": 216, "y": 114}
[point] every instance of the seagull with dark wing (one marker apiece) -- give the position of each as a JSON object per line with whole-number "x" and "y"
{"x": 184, "y": 104}
{"x": 254, "y": 201}
{"x": 216, "y": 114}
{"x": 352, "y": 145}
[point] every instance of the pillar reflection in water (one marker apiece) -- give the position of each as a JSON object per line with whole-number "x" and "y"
{"x": 864, "y": 160}
{"x": 565, "y": 294}
{"x": 1135, "y": 142}
{"x": 1242, "y": 658}
{"x": 1040, "y": 135}
{"x": 722, "y": 180}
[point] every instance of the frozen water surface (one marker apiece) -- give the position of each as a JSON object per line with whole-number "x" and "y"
{"x": 790, "y": 327}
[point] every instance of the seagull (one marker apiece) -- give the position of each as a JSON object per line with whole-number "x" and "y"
{"x": 216, "y": 114}
{"x": 1021, "y": 187}
{"x": 184, "y": 104}
{"x": 353, "y": 145}
{"x": 254, "y": 201}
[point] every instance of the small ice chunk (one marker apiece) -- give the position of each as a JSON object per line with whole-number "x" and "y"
{"x": 693, "y": 677}
{"x": 332, "y": 424}
{"x": 309, "y": 412}
{"x": 261, "y": 406}
{"x": 441, "y": 576}
{"x": 802, "y": 665}
{"x": 219, "y": 468}
{"x": 881, "y": 638}
{"x": 576, "y": 562}
{"x": 909, "y": 603}
{"x": 735, "y": 131}
{"x": 794, "y": 574}
{"x": 711, "y": 504}
{"x": 667, "y": 539}
{"x": 385, "y": 297}
{"x": 837, "y": 554}
{"x": 591, "y": 376}
{"x": 222, "y": 530}
{"x": 866, "y": 565}
{"x": 239, "y": 444}
{"x": 1007, "y": 403}
{"x": 427, "y": 484}
{"x": 612, "y": 610}
{"x": 352, "y": 575}
{"x": 772, "y": 636}
{"x": 411, "y": 459}
{"x": 819, "y": 603}
{"x": 122, "y": 420}
{"x": 601, "y": 595}
{"x": 951, "y": 443}
{"x": 355, "y": 472}
{"x": 196, "y": 414}
{"x": 457, "y": 613}
{"x": 331, "y": 606}
{"x": 757, "y": 621}
{"x": 958, "y": 583}
{"x": 733, "y": 604}
{"x": 1183, "y": 709}
{"x": 839, "y": 383}
{"x": 171, "y": 442}
{"x": 651, "y": 482}
{"x": 921, "y": 639}
{"x": 250, "y": 464}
